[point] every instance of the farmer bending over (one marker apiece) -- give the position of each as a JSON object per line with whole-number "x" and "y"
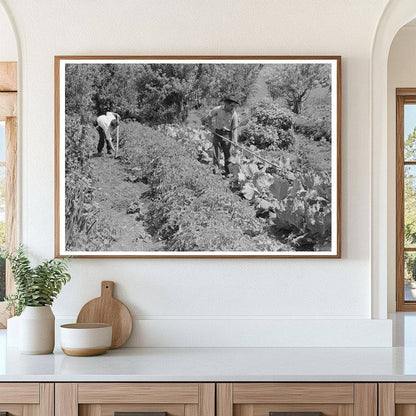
{"x": 223, "y": 121}
{"x": 106, "y": 125}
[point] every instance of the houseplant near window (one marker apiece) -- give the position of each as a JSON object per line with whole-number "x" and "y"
{"x": 36, "y": 289}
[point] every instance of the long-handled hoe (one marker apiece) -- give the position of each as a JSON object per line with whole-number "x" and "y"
{"x": 118, "y": 139}
{"x": 248, "y": 151}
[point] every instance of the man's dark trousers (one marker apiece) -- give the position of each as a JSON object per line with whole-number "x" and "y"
{"x": 225, "y": 146}
{"x": 102, "y": 140}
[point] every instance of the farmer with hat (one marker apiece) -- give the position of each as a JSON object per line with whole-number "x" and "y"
{"x": 223, "y": 121}
{"x": 107, "y": 123}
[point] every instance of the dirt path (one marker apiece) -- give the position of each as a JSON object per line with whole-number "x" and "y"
{"x": 114, "y": 195}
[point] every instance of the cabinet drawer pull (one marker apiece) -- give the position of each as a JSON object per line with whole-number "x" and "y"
{"x": 296, "y": 414}
{"x": 138, "y": 414}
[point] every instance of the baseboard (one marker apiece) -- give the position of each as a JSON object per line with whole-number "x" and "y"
{"x": 166, "y": 332}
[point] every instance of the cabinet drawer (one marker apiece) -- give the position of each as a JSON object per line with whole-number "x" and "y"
{"x": 19, "y": 393}
{"x": 107, "y": 399}
{"x": 297, "y": 399}
{"x": 138, "y": 393}
{"x": 21, "y": 399}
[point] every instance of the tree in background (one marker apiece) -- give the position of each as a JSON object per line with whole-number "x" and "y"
{"x": 92, "y": 90}
{"x": 79, "y": 89}
{"x": 410, "y": 266}
{"x": 114, "y": 89}
{"x": 214, "y": 82}
{"x": 410, "y": 208}
{"x": 293, "y": 82}
{"x": 410, "y": 146}
{"x": 163, "y": 92}
{"x": 410, "y": 191}
{"x": 153, "y": 93}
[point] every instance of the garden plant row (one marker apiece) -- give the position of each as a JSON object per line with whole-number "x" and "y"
{"x": 191, "y": 209}
{"x": 292, "y": 197}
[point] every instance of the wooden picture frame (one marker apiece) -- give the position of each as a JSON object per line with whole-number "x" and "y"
{"x": 275, "y": 194}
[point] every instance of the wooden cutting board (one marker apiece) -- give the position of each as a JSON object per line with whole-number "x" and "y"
{"x": 107, "y": 309}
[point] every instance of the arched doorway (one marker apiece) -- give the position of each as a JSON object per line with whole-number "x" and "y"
{"x": 396, "y": 14}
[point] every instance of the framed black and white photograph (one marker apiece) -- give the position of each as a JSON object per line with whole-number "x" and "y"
{"x": 198, "y": 156}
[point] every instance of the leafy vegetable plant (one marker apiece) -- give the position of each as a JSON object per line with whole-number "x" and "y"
{"x": 293, "y": 199}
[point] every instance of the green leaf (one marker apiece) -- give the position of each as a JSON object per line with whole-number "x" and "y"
{"x": 36, "y": 286}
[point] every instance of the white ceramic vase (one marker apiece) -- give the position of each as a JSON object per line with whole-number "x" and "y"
{"x": 37, "y": 330}
{"x": 13, "y": 331}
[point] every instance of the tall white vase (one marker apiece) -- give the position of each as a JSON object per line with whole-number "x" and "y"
{"x": 37, "y": 330}
{"x": 13, "y": 332}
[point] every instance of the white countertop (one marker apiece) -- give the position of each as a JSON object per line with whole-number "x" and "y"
{"x": 213, "y": 364}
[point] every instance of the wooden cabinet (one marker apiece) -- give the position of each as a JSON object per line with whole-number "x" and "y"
{"x": 27, "y": 399}
{"x": 208, "y": 399}
{"x": 106, "y": 399}
{"x": 297, "y": 399}
{"x": 397, "y": 399}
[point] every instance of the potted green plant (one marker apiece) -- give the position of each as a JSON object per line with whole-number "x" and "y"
{"x": 36, "y": 289}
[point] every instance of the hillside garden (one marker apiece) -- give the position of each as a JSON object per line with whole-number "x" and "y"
{"x": 162, "y": 188}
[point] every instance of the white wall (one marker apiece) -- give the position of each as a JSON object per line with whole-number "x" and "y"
{"x": 8, "y": 47}
{"x": 401, "y": 74}
{"x": 179, "y": 302}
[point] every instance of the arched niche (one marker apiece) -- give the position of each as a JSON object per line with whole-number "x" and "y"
{"x": 8, "y": 42}
{"x": 396, "y": 14}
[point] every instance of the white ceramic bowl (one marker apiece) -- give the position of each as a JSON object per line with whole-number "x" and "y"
{"x": 83, "y": 340}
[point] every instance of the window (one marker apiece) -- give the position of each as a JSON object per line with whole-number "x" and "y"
{"x": 406, "y": 199}
{"x": 8, "y": 170}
